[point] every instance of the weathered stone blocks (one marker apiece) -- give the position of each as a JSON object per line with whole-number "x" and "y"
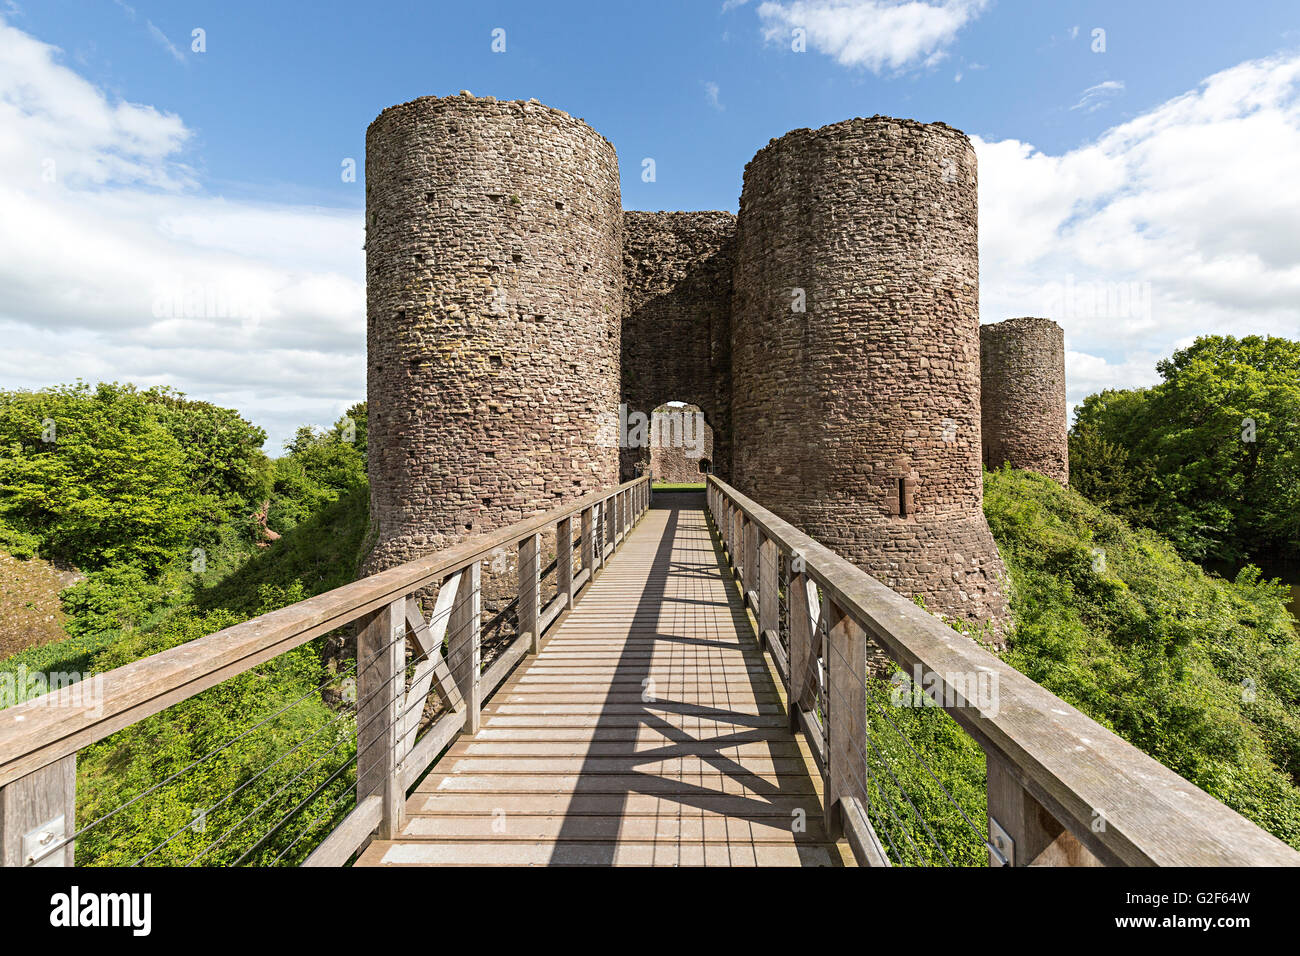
{"x": 1022, "y": 364}
{"x": 494, "y": 247}
{"x": 855, "y": 353}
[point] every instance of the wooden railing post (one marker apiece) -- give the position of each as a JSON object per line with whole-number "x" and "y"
{"x": 564, "y": 559}
{"x": 846, "y": 727}
{"x": 37, "y": 813}
{"x": 464, "y": 643}
{"x": 750, "y": 582}
{"x": 768, "y": 614}
{"x": 598, "y": 532}
{"x": 611, "y": 529}
{"x": 588, "y": 544}
{"x": 530, "y": 590}
{"x": 1021, "y": 828}
{"x": 801, "y": 593}
{"x": 381, "y": 693}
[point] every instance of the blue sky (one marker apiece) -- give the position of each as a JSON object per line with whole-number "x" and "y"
{"x": 1163, "y": 168}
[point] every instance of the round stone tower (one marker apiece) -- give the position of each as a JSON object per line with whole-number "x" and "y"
{"x": 1022, "y": 363}
{"x": 494, "y": 286}
{"x": 855, "y": 354}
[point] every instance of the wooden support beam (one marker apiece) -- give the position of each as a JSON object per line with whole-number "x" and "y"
{"x": 611, "y": 523}
{"x": 804, "y": 609}
{"x": 432, "y": 666}
{"x": 846, "y": 666}
{"x": 588, "y": 543}
{"x": 530, "y": 589}
{"x": 564, "y": 559}
{"x": 381, "y": 693}
{"x": 751, "y": 557}
{"x": 1022, "y": 829}
{"x": 38, "y": 812}
{"x": 463, "y": 642}
{"x": 769, "y": 560}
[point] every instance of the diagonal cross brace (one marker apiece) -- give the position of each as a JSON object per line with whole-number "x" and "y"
{"x": 433, "y": 666}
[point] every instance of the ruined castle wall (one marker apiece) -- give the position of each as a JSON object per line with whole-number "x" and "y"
{"x": 680, "y": 446}
{"x": 1022, "y": 364}
{"x": 676, "y": 319}
{"x": 858, "y": 419}
{"x": 494, "y": 273}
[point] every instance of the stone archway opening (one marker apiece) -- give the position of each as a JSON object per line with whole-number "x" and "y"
{"x": 679, "y": 449}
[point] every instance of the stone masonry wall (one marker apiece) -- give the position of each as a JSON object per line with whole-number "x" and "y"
{"x": 494, "y": 279}
{"x": 676, "y": 341}
{"x": 858, "y": 419}
{"x": 678, "y": 461}
{"x": 1022, "y": 364}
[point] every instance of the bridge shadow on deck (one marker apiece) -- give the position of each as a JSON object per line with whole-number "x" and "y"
{"x": 685, "y": 556}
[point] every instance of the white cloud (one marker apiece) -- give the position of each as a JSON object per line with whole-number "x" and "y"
{"x": 879, "y": 35}
{"x": 711, "y": 95}
{"x": 1180, "y": 222}
{"x": 1096, "y": 97}
{"x": 114, "y": 265}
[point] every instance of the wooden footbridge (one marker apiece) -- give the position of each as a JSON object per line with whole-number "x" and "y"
{"x": 692, "y": 681}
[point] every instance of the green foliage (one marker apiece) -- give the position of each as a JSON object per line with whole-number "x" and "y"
{"x": 1199, "y": 672}
{"x": 95, "y": 476}
{"x": 223, "y": 452}
{"x": 320, "y": 553}
{"x": 263, "y": 764}
{"x": 265, "y": 745}
{"x": 925, "y": 779}
{"x": 1210, "y": 457}
{"x": 112, "y": 599}
{"x": 319, "y": 469}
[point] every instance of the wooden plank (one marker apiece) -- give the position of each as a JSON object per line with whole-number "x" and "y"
{"x": 38, "y": 815}
{"x": 768, "y": 597}
{"x": 502, "y": 666}
{"x": 649, "y": 718}
{"x": 861, "y": 834}
{"x": 846, "y": 726}
{"x": 588, "y": 542}
{"x": 530, "y": 589}
{"x": 381, "y": 670}
{"x": 553, "y": 610}
{"x": 463, "y": 649}
{"x": 804, "y": 610}
{"x": 564, "y": 560}
{"x": 428, "y": 747}
{"x": 337, "y": 848}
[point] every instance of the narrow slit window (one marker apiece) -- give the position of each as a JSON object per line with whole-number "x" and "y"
{"x": 902, "y": 497}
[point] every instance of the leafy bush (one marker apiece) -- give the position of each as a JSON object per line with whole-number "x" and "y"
{"x": 112, "y": 599}
{"x": 1210, "y": 457}
{"x": 95, "y": 476}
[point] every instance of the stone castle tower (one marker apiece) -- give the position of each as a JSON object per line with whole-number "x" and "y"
{"x": 829, "y": 334}
{"x": 1024, "y": 410}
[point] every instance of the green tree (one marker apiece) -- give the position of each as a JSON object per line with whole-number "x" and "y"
{"x": 95, "y": 475}
{"x": 223, "y": 451}
{"x": 1210, "y": 456}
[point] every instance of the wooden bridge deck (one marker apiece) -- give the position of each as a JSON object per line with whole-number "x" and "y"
{"x": 648, "y": 731}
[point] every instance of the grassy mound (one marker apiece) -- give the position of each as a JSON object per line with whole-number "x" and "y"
{"x": 1200, "y": 672}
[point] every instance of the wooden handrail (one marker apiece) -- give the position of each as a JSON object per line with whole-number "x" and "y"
{"x": 41, "y": 731}
{"x": 1043, "y": 753}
